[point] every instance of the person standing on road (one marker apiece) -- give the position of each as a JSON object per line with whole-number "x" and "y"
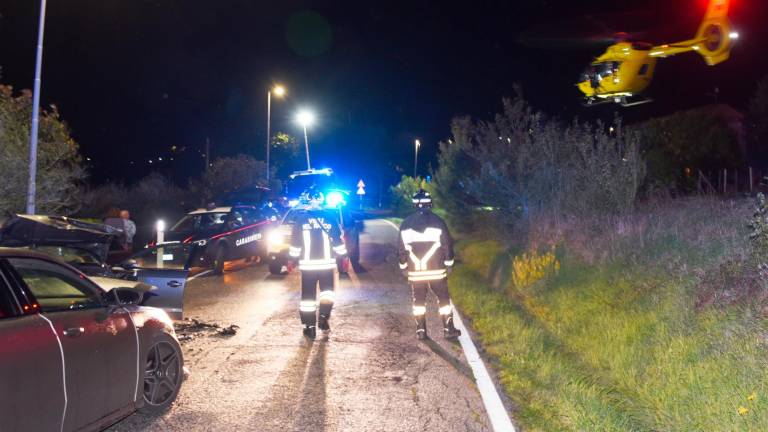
{"x": 315, "y": 241}
{"x": 425, "y": 252}
{"x": 130, "y": 228}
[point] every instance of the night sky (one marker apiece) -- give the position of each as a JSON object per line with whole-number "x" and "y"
{"x": 133, "y": 78}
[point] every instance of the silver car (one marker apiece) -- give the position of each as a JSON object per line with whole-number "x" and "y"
{"x": 74, "y": 355}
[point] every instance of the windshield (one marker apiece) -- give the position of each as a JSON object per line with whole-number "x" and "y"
{"x": 300, "y": 184}
{"x": 200, "y": 222}
{"x": 70, "y": 255}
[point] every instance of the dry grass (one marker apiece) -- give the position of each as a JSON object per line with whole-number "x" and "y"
{"x": 620, "y": 339}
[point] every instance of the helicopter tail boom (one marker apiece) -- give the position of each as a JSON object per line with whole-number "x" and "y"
{"x": 713, "y": 40}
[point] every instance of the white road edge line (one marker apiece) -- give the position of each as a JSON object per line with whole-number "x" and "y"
{"x": 498, "y": 415}
{"x": 198, "y": 275}
{"x": 392, "y": 224}
{"x": 500, "y": 421}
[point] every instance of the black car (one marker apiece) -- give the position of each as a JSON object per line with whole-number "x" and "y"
{"x": 76, "y": 357}
{"x": 87, "y": 246}
{"x": 210, "y": 237}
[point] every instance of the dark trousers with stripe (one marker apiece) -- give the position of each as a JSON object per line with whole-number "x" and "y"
{"x": 311, "y": 280}
{"x": 439, "y": 288}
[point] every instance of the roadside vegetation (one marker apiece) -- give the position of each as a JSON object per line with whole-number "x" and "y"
{"x": 607, "y": 292}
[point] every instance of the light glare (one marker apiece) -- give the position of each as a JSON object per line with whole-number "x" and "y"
{"x": 305, "y": 118}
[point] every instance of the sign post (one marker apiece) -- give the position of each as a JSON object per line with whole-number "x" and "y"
{"x": 361, "y": 191}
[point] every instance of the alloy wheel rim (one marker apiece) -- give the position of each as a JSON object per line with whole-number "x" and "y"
{"x": 162, "y": 373}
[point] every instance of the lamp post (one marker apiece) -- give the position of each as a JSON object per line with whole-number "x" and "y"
{"x": 160, "y": 227}
{"x": 306, "y": 118}
{"x": 417, "y": 144}
{"x": 279, "y": 91}
{"x": 32, "y": 186}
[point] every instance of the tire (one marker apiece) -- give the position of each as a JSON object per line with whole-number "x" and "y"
{"x": 163, "y": 374}
{"x": 276, "y": 267}
{"x": 219, "y": 259}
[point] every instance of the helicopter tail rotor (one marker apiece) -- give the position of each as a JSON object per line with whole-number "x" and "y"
{"x": 715, "y": 37}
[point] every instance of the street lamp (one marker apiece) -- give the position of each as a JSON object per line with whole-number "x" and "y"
{"x": 306, "y": 118}
{"x": 417, "y": 144}
{"x": 32, "y": 185}
{"x": 279, "y": 91}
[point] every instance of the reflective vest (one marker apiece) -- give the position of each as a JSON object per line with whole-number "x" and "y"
{"x": 316, "y": 241}
{"x": 425, "y": 247}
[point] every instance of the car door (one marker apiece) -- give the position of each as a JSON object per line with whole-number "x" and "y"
{"x": 249, "y": 241}
{"x": 31, "y": 367}
{"x": 99, "y": 342}
{"x": 168, "y": 275}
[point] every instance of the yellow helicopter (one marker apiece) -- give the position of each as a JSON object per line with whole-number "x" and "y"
{"x": 626, "y": 68}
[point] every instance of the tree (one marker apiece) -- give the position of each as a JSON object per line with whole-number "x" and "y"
{"x": 708, "y": 138}
{"x": 757, "y": 123}
{"x": 285, "y": 154}
{"x": 505, "y": 172}
{"x": 59, "y": 165}
{"x": 402, "y": 193}
{"x": 230, "y": 174}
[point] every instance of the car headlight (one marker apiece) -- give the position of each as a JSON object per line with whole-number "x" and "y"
{"x": 275, "y": 238}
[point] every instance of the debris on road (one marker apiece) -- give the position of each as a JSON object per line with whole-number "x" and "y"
{"x": 192, "y": 328}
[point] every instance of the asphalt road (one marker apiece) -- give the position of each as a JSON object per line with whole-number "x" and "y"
{"x": 370, "y": 374}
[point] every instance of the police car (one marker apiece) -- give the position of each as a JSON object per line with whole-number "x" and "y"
{"x": 211, "y": 236}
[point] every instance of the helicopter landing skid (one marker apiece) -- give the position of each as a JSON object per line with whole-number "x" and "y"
{"x": 622, "y": 100}
{"x": 625, "y": 103}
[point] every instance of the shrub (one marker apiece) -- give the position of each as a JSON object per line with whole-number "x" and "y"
{"x": 59, "y": 165}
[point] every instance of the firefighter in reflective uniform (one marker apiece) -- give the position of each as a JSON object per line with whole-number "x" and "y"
{"x": 426, "y": 257}
{"x": 316, "y": 242}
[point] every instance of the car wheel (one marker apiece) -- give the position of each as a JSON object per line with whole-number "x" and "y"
{"x": 276, "y": 267}
{"x": 163, "y": 374}
{"x": 219, "y": 259}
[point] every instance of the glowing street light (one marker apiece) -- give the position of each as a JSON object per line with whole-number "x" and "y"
{"x": 279, "y": 91}
{"x": 306, "y": 118}
{"x": 417, "y": 144}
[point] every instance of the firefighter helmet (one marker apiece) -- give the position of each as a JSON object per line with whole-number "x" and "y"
{"x": 422, "y": 199}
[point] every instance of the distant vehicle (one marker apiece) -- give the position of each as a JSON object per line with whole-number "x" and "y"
{"x": 86, "y": 247}
{"x": 210, "y": 237}
{"x": 323, "y": 180}
{"x": 626, "y": 68}
{"x": 279, "y": 239}
{"x": 74, "y": 356}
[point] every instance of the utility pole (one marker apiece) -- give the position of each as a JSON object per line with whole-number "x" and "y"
{"x": 32, "y": 186}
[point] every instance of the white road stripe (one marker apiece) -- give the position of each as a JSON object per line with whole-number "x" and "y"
{"x": 392, "y": 224}
{"x": 500, "y": 420}
{"x": 198, "y": 275}
{"x": 498, "y": 415}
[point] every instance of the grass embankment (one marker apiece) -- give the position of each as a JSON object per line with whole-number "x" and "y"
{"x": 653, "y": 335}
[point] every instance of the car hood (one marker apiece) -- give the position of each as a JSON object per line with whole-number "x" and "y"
{"x": 28, "y": 230}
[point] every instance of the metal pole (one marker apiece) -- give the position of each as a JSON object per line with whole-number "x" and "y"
{"x": 306, "y": 145}
{"x": 269, "y": 138}
{"x": 32, "y": 186}
{"x": 416, "y": 159}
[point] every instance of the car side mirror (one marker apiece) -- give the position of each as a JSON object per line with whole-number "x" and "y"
{"x": 124, "y": 296}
